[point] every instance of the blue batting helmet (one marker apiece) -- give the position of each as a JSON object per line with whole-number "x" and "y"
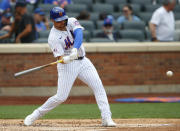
{"x": 58, "y": 14}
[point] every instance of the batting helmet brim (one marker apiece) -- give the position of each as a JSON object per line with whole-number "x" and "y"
{"x": 61, "y": 18}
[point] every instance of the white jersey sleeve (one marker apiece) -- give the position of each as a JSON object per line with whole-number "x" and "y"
{"x": 73, "y": 24}
{"x": 55, "y": 45}
{"x": 156, "y": 17}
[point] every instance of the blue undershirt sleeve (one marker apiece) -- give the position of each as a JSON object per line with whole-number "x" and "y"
{"x": 78, "y": 38}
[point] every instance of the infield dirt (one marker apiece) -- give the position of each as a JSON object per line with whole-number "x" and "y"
{"x": 91, "y": 125}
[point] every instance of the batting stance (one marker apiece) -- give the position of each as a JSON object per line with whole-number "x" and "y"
{"x": 65, "y": 40}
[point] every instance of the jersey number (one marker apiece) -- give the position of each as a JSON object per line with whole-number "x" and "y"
{"x": 68, "y": 43}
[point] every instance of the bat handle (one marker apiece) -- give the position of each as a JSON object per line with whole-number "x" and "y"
{"x": 60, "y": 61}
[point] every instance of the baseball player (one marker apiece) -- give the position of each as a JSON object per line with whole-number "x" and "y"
{"x": 65, "y": 40}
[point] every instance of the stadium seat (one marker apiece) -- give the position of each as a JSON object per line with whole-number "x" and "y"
{"x": 12, "y": 9}
{"x": 76, "y": 8}
{"x": 151, "y": 8}
{"x": 132, "y": 34}
{"x": 142, "y": 2}
{"x": 148, "y": 35}
{"x": 4, "y": 40}
{"x": 134, "y": 25}
{"x": 161, "y": 1}
{"x": 115, "y": 3}
{"x": 44, "y": 34}
{"x": 116, "y": 14}
{"x": 100, "y": 40}
{"x": 100, "y": 8}
{"x": 71, "y": 14}
{"x": 177, "y": 15}
{"x": 94, "y": 16}
{"x": 41, "y": 40}
{"x": 46, "y": 7}
{"x": 88, "y": 25}
{"x": 145, "y": 16}
{"x": 99, "y": 24}
{"x": 96, "y": 32}
{"x": 127, "y": 40}
{"x": 177, "y": 8}
{"x": 177, "y": 35}
{"x": 86, "y": 35}
{"x": 87, "y": 2}
{"x": 177, "y": 25}
{"x": 115, "y": 24}
{"x": 8, "y": 40}
{"x": 99, "y": 1}
{"x": 2, "y": 32}
{"x": 136, "y": 8}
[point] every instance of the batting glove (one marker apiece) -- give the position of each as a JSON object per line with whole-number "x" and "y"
{"x": 67, "y": 59}
{"x": 74, "y": 54}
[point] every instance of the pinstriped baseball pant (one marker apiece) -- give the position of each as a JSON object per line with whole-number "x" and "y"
{"x": 67, "y": 74}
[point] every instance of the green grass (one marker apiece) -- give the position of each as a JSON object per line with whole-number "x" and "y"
{"x": 88, "y": 111}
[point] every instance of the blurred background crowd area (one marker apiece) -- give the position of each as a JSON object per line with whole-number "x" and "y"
{"x": 96, "y": 16}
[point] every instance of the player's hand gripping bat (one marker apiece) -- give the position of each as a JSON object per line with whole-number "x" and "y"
{"x": 36, "y": 68}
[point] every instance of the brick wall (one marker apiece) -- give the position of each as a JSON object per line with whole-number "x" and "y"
{"x": 114, "y": 68}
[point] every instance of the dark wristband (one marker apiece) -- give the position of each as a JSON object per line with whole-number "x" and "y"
{"x": 154, "y": 39}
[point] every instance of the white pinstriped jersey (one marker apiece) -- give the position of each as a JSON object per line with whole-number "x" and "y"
{"x": 62, "y": 42}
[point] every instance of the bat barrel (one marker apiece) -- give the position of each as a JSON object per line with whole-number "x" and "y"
{"x": 36, "y": 68}
{"x": 27, "y": 71}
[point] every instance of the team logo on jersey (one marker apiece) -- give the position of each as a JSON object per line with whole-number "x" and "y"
{"x": 68, "y": 43}
{"x": 55, "y": 50}
{"x": 60, "y": 14}
{"x": 76, "y": 23}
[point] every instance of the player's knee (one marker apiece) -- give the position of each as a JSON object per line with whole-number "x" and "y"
{"x": 97, "y": 82}
{"x": 60, "y": 98}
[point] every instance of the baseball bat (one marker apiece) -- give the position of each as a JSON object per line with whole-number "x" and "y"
{"x": 36, "y": 68}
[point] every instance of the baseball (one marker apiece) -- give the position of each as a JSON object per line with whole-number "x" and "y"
{"x": 169, "y": 73}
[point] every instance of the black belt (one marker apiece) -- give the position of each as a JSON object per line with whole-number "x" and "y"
{"x": 80, "y": 58}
